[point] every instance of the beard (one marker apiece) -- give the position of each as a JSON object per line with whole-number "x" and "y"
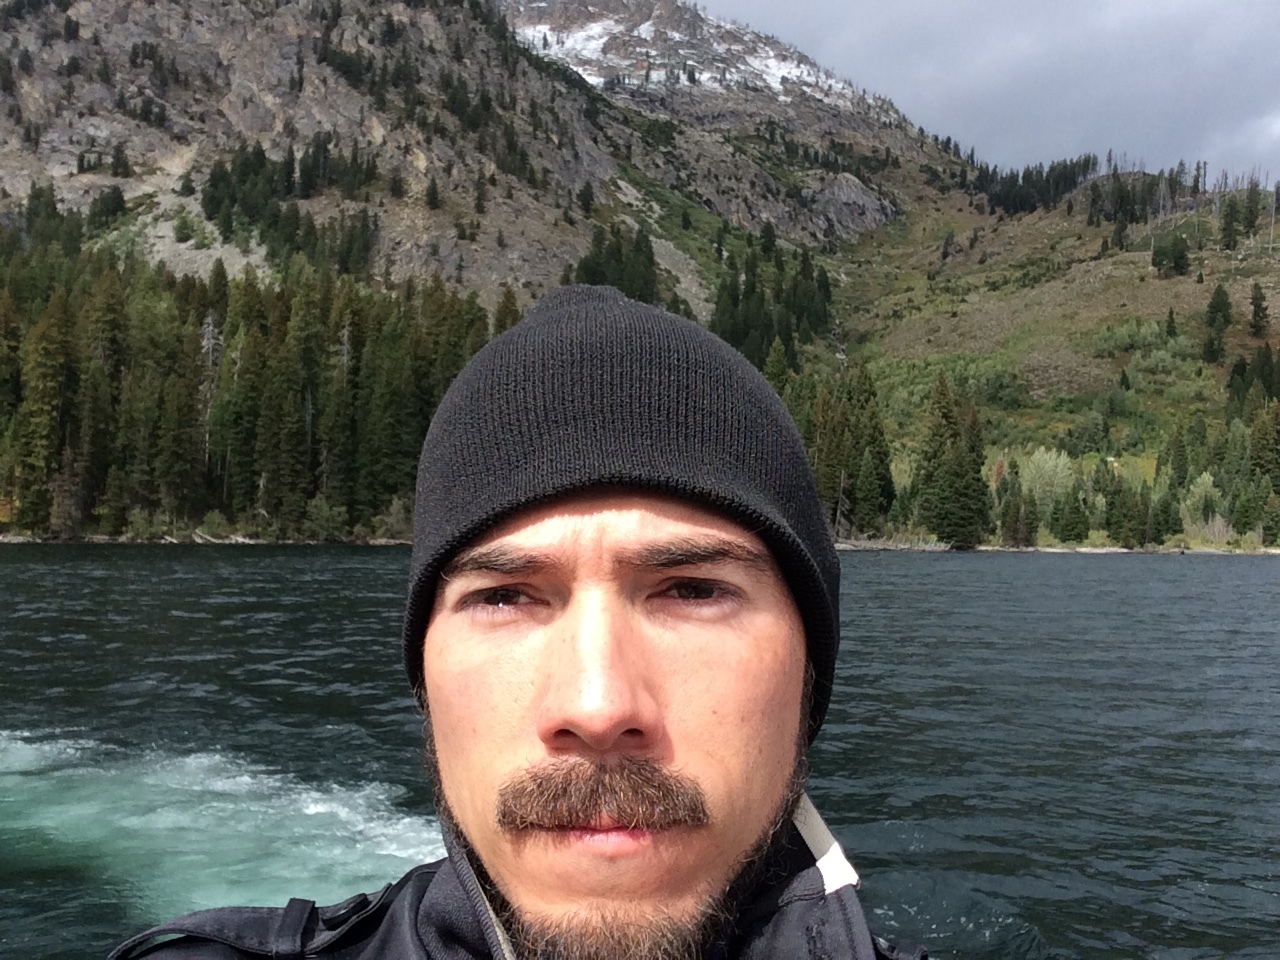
{"x": 638, "y": 793}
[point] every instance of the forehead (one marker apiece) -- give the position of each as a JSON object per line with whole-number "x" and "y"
{"x": 607, "y": 517}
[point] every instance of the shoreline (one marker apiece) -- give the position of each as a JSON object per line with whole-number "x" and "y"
{"x": 889, "y": 546}
{"x": 843, "y": 546}
{"x": 201, "y": 540}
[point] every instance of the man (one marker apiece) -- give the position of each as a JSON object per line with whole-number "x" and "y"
{"x": 622, "y": 628}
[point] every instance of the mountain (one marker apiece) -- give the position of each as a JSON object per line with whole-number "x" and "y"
{"x": 441, "y": 91}
{"x": 660, "y": 47}
{"x": 449, "y": 161}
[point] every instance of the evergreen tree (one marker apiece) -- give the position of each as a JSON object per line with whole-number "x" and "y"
{"x": 1176, "y": 457}
{"x": 281, "y": 453}
{"x": 1229, "y": 223}
{"x": 120, "y": 166}
{"x": 1075, "y": 517}
{"x": 507, "y": 314}
{"x": 1258, "y": 323}
{"x": 768, "y": 239}
{"x": 776, "y": 370}
{"x": 433, "y": 194}
{"x": 1264, "y": 444}
{"x": 95, "y": 423}
{"x": 10, "y": 357}
{"x": 867, "y": 505}
{"x": 1271, "y": 521}
{"x": 1218, "y": 317}
{"x": 219, "y": 287}
{"x": 42, "y": 417}
{"x": 1252, "y": 208}
{"x": 1170, "y": 326}
{"x": 179, "y": 453}
{"x": 1013, "y": 528}
{"x": 954, "y": 501}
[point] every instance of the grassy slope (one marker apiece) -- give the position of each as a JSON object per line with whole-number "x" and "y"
{"x": 1031, "y": 299}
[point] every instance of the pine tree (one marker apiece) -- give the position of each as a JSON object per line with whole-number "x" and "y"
{"x": 958, "y": 514}
{"x": 10, "y": 357}
{"x": 337, "y": 430}
{"x": 1271, "y": 521}
{"x": 281, "y": 453}
{"x": 179, "y": 452}
{"x": 1252, "y": 208}
{"x": 42, "y": 417}
{"x": 867, "y": 506}
{"x": 776, "y": 370}
{"x": 1264, "y": 443}
{"x": 1176, "y": 456}
{"x": 507, "y": 314}
{"x": 954, "y": 501}
{"x": 1229, "y": 223}
{"x": 1258, "y": 323}
{"x": 95, "y": 423}
{"x": 1013, "y": 531}
{"x": 1170, "y": 326}
{"x": 233, "y": 423}
{"x": 219, "y": 287}
{"x": 1075, "y": 517}
{"x": 1217, "y": 318}
{"x": 120, "y": 166}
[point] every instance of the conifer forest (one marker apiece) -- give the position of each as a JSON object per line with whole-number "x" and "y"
{"x": 1076, "y": 353}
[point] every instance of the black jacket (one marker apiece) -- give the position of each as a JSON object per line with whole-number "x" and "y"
{"x": 805, "y": 908}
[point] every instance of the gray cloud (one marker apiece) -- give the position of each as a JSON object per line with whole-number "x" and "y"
{"x": 1025, "y": 81}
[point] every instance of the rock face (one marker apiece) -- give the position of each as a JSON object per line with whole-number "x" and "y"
{"x": 179, "y": 85}
{"x": 669, "y": 59}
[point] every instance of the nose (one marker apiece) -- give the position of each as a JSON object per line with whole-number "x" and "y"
{"x": 598, "y": 686}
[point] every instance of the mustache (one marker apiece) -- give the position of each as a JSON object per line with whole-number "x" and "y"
{"x": 633, "y": 792}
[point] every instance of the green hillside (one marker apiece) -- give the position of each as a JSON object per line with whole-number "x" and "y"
{"x": 249, "y": 336}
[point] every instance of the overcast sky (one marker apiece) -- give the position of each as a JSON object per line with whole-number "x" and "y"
{"x": 1026, "y": 81}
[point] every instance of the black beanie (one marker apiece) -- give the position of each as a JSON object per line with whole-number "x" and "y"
{"x": 593, "y": 389}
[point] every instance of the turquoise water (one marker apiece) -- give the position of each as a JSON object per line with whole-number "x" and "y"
{"x": 1026, "y": 756}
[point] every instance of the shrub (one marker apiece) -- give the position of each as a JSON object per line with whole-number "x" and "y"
{"x": 325, "y": 523}
{"x": 215, "y": 524}
{"x": 1131, "y": 336}
{"x": 1047, "y": 476}
{"x": 396, "y": 523}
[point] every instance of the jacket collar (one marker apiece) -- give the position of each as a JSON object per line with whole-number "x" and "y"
{"x": 814, "y": 873}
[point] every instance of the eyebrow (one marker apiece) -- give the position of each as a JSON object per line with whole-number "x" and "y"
{"x": 700, "y": 551}
{"x": 497, "y": 559}
{"x": 667, "y": 555}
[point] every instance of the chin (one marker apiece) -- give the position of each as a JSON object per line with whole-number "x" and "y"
{"x": 608, "y": 929}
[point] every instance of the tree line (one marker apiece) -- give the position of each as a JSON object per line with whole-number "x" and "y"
{"x": 133, "y": 400}
{"x": 136, "y": 401}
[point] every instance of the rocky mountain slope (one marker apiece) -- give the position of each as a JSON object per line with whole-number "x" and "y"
{"x": 701, "y": 131}
{"x": 441, "y": 92}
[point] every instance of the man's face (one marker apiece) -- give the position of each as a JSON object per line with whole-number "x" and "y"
{"x": 615, "y": 685}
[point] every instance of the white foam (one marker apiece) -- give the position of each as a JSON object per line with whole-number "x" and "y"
{"x": 203, "y": 830}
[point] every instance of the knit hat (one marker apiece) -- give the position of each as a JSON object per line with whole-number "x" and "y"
{"x": 593, "y": 389}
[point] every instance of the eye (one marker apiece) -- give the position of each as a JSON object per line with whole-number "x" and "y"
{"x": 699, "y": 591}
{"x": 495, "y": 598}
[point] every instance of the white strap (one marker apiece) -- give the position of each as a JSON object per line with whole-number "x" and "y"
{"x": 504, "y": 942}
{"x": 835, "y": 868}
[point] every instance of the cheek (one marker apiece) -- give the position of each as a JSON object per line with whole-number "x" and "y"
{"x": 743, "y": 722}
{"x": 469, "y": 722}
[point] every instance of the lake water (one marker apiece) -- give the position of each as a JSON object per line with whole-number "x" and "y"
{"x": 1027, "y": 756}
